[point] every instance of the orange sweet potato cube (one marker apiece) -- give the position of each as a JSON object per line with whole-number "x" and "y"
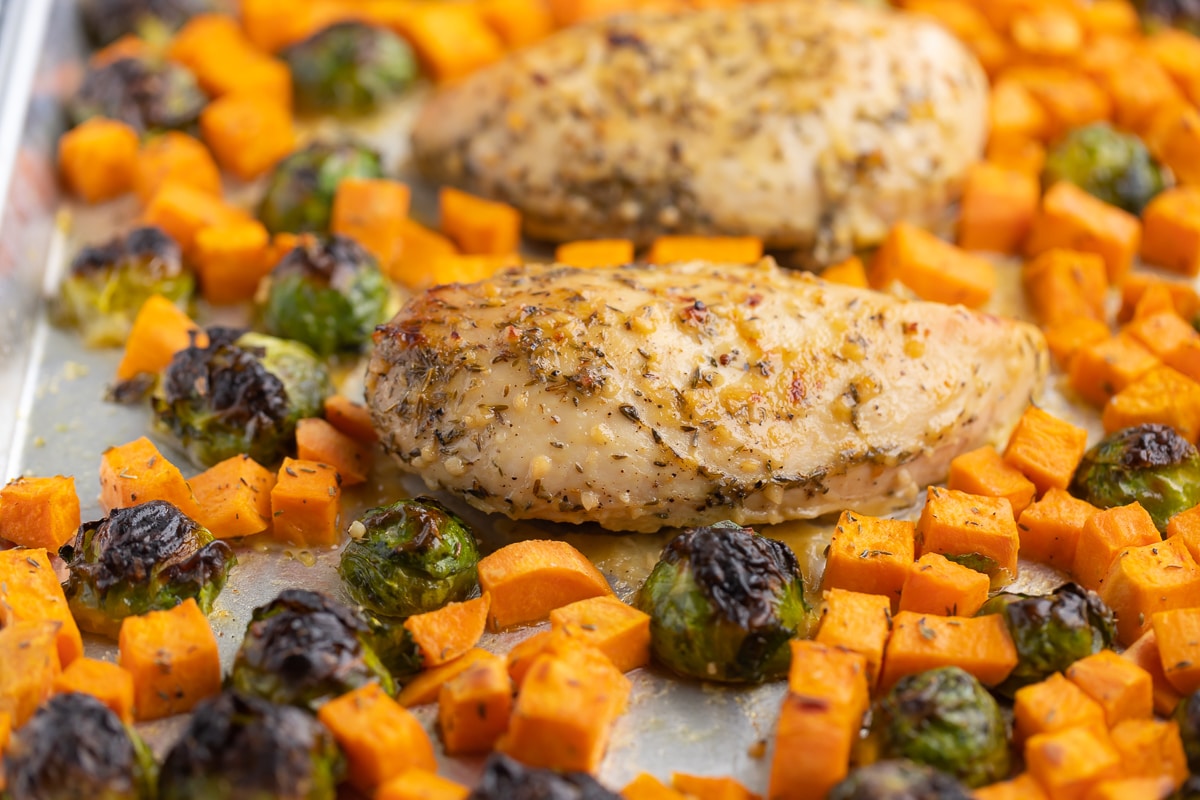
{"x": 1051, "y": 527}
{"x": 1071, "y": 218}
{"x": 1185, "y": 526}
{"x": 1053, "y": 705}
{"x": 98, "y": 158}
{"x": 173, "y": 658}
{"x": 421, "y": 784}
{"x": 984, "y": 472}
{"x": 1014, "y": 113}
{"x": 29, "y": 653}
{"x": 136, "y": 473}
{"x": 1162, "y": 395}
{"x": 318, "y": 440}
{"x": 39, "y": 512}
{"x": 997, "y": 208}
{"x": 518, "y": 23}
{"x": 931, "y": 268}
{"x": 452, "y": 40}
{"x": 858, "y": 622}
{"x": 980, "y": 645}
{"x": 1122, "y": 688}
{"x": 616, "y": 629}
{"x": 1069, "y": 336}
{"x": 711, "y": 787}
{"x": 175, "y": 156}
{"x": 423, "y": 689}
{"x": 1069, "y": 98}
{"x": 224, "y": 61}
{"x": 529, "y": 579}
{"x": 231, "y": 258}
{"x": 109, "y": 683}
{"x": 1105, "y": 534}
{"x": 30, "y": 592}
{"x": 351, "y": 418}
{"x": 1046, "y": 449}
{"x": 851, "y": 272}
{"x": 1065, "y": 284}
{"x": 183, "y": 211}
{"x": 370, "y": 210}
{"x": 1148, "y": 579}
{"x": 1183, "y": 295}
{"x": 247, "y": 135}
{"x": 479, "y": 226}
{"x": 1144, "y": 653}
{"x": 1172, "y": 235}
{"x": 595, "y": 253}
{"x": 978, "y": 530}
{"x": 1022, "y": 787}
{"x": 305, "y": 503}
{"x": 160, "y": 330}
{"x": 1100, "y": 370}
{"x": 1178, "y": 634}
{"x": 1017, "y": 154}
{"x": 381, "y": 738}
{"x": 420, "y": 248}
{"x": 870, "y": 555}
{"x": 1150, "y": 748}
{"x": 732, "y": 249}
{"x": 234, "y": 497}
{"x": 1178, "y": 145}
{"x": 937, "y": 585}
{"x": 474, "y": 708}
{"x": 1139, "y": 89}
{"x": 1067, "y": 763}
{"x": 1161, "y": 332}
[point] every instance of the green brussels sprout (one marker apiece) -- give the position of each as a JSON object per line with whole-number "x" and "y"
{"x": 241, "y": 747}
{"x": 898, "y": 780}
{"x": 946, "y": 719}
{"x": 300, "y": 190}
{"x": 1187, "y": 716}
{"x": 108, "y": 283}
{"x": 303, "y": 648}
{"x": 1053, "y": 631}
{"x": 349, "y": 67}
{"x": 143, "y": 558}
{"x": 411, "y": 557}
{"x": 1183, "y": 14}
{"x": 328, "y": 294}
{"x": 1112, "y": 166}
{"x": 1151, "y": 464}
{"x": 505, "y": 778}
{"x": 146, "y": 94}
{"x": 723, "y": 603}
{"x": 393, "y": 643}
{"x": 109, "y": 20}
{"x": 74, "y": 747}
{"x": 243, "y": 393}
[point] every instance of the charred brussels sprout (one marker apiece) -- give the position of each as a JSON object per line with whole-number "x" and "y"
{"x": 1151, "y": 464}
{"x": 108, "y": 283}
{"x": 349, "y": 67}
{"x": 505, "y": 778}
{"x": 1052, "y": 632}
{"x": 723, "y": 603}
{"x": 1175, "y": 13}
{"x": 1112, "y": 166}
{"x": 146, "y": 94}
{"x": 411, "y": 557}
{"x": 76, "y": 748}
{"x": 144, "y": 558}
{"x": 109, "y": 20}
{"x": 946, "y": 719}
{"x": 328, "y": 294}
{"x": 243, "y": 393}
{"x": 1187, "y": 716}
{"x": 300, "y": 190}
{"x": 240, "y": 747}
{"x": 898, "y": 780}
{"x": 302, "y": 649}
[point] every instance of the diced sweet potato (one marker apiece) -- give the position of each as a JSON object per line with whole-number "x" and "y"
{"x": 984, "y": 472}
{"x": 370, "y": 211}
{"x": 933, "y": 269}
{"x": 997, "y": 209}
{"x": 1162, "y": 395}
{"x": 518, "y": 23}
{"x": 29, "y": 652}
{"x": 160, "y": 330}
{"x": 1144, "y": 653}
{"x": 234, "y": 497}
{"x": 1065, "y": 284}
{"x": 136, "y": 473}
{"x": 978, "y": 531}
{"x": 1050, "y": 528}
{"x": 711, "y": 787}
{"x": 474, "y": 708}
{"x": 305, "y": 503}
{"x": 936, "y": 585}
{"x": 616, "y": 629}
{"x": 1069, "y": 762}
{"x": 231, "y": 259}
{"x": 177, "y": 157}
{"x": 1178, "y": 634}
{"x": 1053, "y": 704}
{"x": 109, "y": 683}
{"x": 98, "y": 159}
{"x": 1071, "y": 218}
{"x": 173, "y": 658}
{"x": 851, "y": 272}
{"x": 1172, "y": 231}
{"x": 1150, "y": 748}
{"x": 1105, "y": 534}
{"x": 183, "y": 211}
{"x": 30, "y": 592}
{"x": 39, "y": 512}
{"x": 1014, "y": 113}
{"x": 1022, "y": 787}
{"x": 527, "y": 580}
{"x": 452, "y": 40}
{"x": 595, "y": 253}
{"x": 1046, "y": 449}
{"x": 1148, "y": 579}
{"x": 420, "y": 248}
{"x": 351, "y": 418}
{"x": 246, "y": 135}
{"x": 1069, "y": 336}
{"x": 870, "y": 555}
{"x": 1070, "y": 99}
{"x": 421, "y": 784}
{"x": 317, "y": 440}
{"x": 424, "y": 687}
{"x": 479, "y": 226}
{"x": 980, "y": 645}
{"x": 1100, "y": 370}
{"x": 719, "y": 249}
{"x": 448, "y": 632}
{"x": 860, "y": 623}
{"x": 1122, "y": 688}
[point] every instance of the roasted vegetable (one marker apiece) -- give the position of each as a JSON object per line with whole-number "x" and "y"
{"x": 1187, "y": 716}
{"x": 410, "y": 557}
{"x": 392, "y": 643}
{"x": 505, "y": 778}
{"x": 109, "y": 20}
{"x": 75, "y": 747}
{"x": 146, "y": 94}
{"x": 300, "y": 190}
{"x": 326, "y": 293}
{"x": 240, "y": 747}
{"x": 723, "y": 603}
{"x": 1151, "y": 464}
{"x": 243, "y": 393}
{"x": 145, "y": 558}
{"x": 1190, "y": 790}
{"x": 1176, "y": 13}
{"x": 349, "y": 67}
{"x": 107, "y": 284}
{"x": 1053, "y": 631}
{"x": 899, "y": 780}
{"x": 944, "y": 718}
{"x": 1111, "y": 166}
{"x": 303, "y": 648}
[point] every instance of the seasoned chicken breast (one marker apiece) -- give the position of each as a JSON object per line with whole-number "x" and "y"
{"x": 803, "y": 123}
{"x": 642, "y": 397}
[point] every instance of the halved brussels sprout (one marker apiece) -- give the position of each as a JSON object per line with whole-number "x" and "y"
{"x": 723, "y": 603}
{"x": 144, "y": 558}
{"x": 327, "y": 293}
{"x": 946, "y": 719}
{"x": 505, "y": 778}
{"x": 243, "y": 393}
{"x": 412, "y": 557}
{"x": 303, "y": 649}
{"x": 146, "y": 94}
{"x": 1183, "y": 14}
{"x": 393, "y": 643}
{"x": 300, "y": 190}
{"x": 898, "y": 780}
{"x": 1151, "y": 464}
{"x": 349, "y": 67}
{"x": 76, "y": 747}
{"x": 241, "y": 747}
{"x": 1187, "y": 716}
{"x": 1112, "y": 166}
{"x": 107, "y": 284}
{"x": 109, "y": 20}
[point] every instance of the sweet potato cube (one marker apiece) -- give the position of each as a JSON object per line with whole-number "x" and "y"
{"x": 647, "y": 787}
{"x": 1069, "y": 98}
{"x": 424, "y": 688}
{"x": 1131, "y": 789}
{"x": 851, "y": 272}
{"x": 706, "y": 787}
{"x": 595, "y": 253}
{"x": 421, "y": 784}
{"x": 1105, "y": 534}
{"x": 1184, "y": 297}
{"x": 98, "y": 158}
{"x": 369, "y": 210}
{"x": 1186, "y": 527}
{"x": 29, "y": 653}
{"x": 231, "y": 258}
{"x": 1162, "y": 395}
{"x": 933, "y": 269}
{"x": 479, "y": 226}
{"x": 860, "y": 623}
{"x": 1162, "y": 332}
{"x": 136, "y": 473}
{"x": 419, "y": 249}
{"x": 518, "y": 23}
{"x": 1073, "y": 219}
{"x": 1068, "y": 337}
{"x": 832, "y": 674}
{"x": 30, "y": 592}
{"x": 1123, "y": 689}
{"x": 468, "y": 269}
{"x": 1144, "y": 653}
{"x": 997, "y": 208}
{"x": 224, "y": 61}
{"x": 173, "y": 658}
{"x": 183, "y": 211}
{"x": 1140, "y": 89}
{"x": 247, "y": 136}
{"x": 1053, "y": 705}
{"x": 1178, "y": 634}
{"x": 1050, "y": 528}
{"x": 1046, "y": 449}
{"x": 109, "y": 683}
{"x": 1065, "y": 284}
{"x": 448, "y": 632}
{"x": 39, "y": 512}
{"x": 980, "y": 532}
{"x": 318, "y": 440}
{"x": 527, "y": 580}
{"x": 474, "y": 707}
{"x": 720, "y": 249}
{"x": 1022, "y": 787}
{"x": 351, "y": 418}
{"x": 1017, "y": 154}
{"x": 1100, "y": 370}
{"x": 1047, "y": 31}
{"x": 1172, "y": 235}
{"x": 451, "y": 40}
{"x": 984, "y": 472}
{"x": 1014, "y": 113}
{"x": 1147, "y": 579}
{"x": 379, "y": 737}
{"x": 234, "y": 497}
{"x": 177, "y": 157}
{"x": 1067, "y": 763}
{"x": 1179, "y": 144}
{"x": 305, "y": 503}
{"x": 980, "y": 645}
{"x": 160, "y": 330}
{"x": 1151, "y": 748}
{"x": 870, "y": 555}
{"x": 616, "y": 629}
{"x": 937, "y": 585}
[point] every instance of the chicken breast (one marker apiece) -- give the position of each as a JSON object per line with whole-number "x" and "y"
{"x": 817, "y": 123}
{"x": 643, "y": 397}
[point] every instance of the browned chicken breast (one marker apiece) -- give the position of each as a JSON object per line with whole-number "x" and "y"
{"x": 643, "y": 397}
{"x": 815, "y": 123}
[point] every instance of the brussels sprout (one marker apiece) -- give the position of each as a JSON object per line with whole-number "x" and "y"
{"x": 109, "y": 20}
{"x": 349, "y": 67}
{"x": 1115, "y": 167}
{"x": 505, "y": 778}
{"x": 146, "y": 94}
{"x": 1183, "y": 14}
{"x": 1190, "y": 790}
{"x": 328, "y": 294}
{"x": 300, "y": 190}
{"x": 243, "y": 393}
{"x": 303, "y": 648}
{"x": 144, "y": 558}
{"x": 411, "y": 557}
{"x": 76, "y": 748}
{"x": 1053, "y": 631}
{"x": 108, "y": 283}
{"x": 1187, "y": 716}
{"x": 723, "y": 603}
{"x": 240, "y": 747}
{"x": 1151, "y": 464}
{"x": 946, "y": 719}
{"x": 393, "y": 644}
{"x": 898, "y": 780}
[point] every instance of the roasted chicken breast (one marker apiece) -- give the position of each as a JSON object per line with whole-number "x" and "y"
{"x": 643, "y": 397}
